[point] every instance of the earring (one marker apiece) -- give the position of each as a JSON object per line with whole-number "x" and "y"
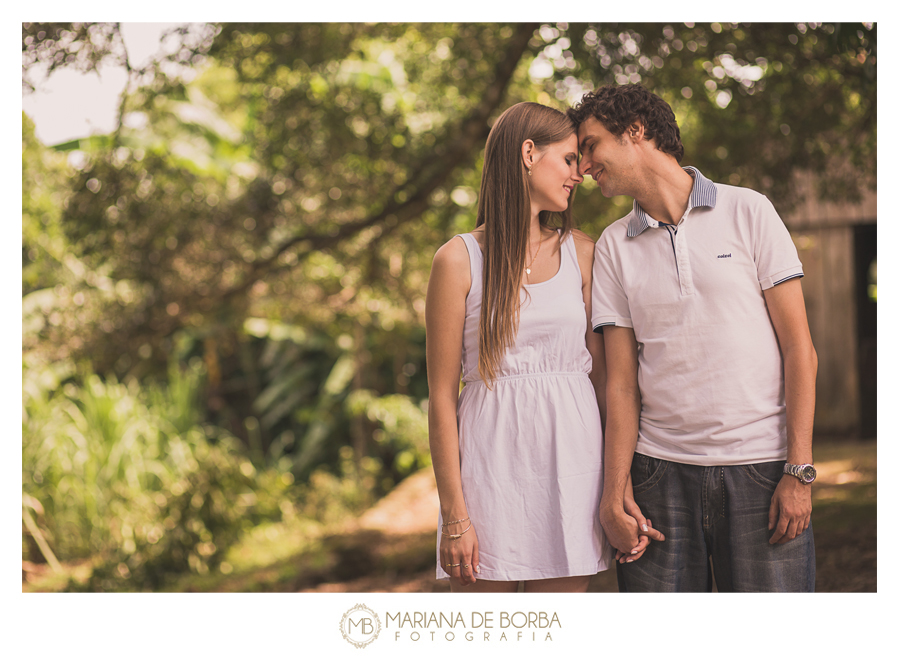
{"x": 529, "y": 171}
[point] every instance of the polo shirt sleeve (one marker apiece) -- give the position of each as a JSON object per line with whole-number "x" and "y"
{"x": 609, "y": 304}
{"x": 773, "y": 249}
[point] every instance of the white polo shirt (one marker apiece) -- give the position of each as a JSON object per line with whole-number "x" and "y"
{"x": 710, "y": 371}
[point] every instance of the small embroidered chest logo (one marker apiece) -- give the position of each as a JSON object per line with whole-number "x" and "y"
{"x": 724, "y": 256}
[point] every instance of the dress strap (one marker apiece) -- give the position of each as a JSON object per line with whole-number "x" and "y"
{"x": 476, "y": 258}
{"x": 571, "y": 255}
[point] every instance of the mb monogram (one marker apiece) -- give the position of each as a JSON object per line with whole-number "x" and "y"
{"x": 360, "y": 626}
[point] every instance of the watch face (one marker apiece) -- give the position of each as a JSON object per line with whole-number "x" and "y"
{"x": 808, "y": 473}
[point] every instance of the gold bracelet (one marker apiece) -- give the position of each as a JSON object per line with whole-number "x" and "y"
{"x": 455, "y": 537}
{"x": 444, "y": 525}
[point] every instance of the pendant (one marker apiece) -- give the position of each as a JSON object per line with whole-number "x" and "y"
{"x": 527, "y": 270}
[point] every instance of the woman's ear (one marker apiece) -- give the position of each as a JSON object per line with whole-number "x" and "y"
{"x": 528, "y": 153}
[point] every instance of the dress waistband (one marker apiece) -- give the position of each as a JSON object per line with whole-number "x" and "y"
{"x": 528, "y": 375}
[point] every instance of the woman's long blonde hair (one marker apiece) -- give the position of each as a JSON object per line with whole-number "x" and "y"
{"x": 504, "y": 208}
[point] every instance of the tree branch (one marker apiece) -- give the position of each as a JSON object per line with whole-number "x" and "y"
{"x": 473, "y": 130}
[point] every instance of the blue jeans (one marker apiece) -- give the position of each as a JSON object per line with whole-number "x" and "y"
{"x": 718, "y": 515}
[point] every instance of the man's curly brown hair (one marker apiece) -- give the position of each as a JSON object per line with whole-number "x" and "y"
{"x": 617, "y": 107}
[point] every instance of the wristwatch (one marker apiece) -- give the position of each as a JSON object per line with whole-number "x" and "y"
{"x": 806, "y": 473}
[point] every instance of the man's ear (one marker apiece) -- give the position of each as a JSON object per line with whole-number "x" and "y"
{"x": 528, "y": 153}
{"x": 635, "y": 132}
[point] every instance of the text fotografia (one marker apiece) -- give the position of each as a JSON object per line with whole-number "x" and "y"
{"x": 479, "y": 626}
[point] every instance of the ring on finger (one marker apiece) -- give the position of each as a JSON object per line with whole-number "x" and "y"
{"x": 453, "y": 565}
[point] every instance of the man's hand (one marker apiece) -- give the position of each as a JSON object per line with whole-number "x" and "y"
{"x": 621, "y": 529}
{"x": 790, "y": 511}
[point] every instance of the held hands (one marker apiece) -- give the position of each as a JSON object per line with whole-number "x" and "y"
{"x": 790, "y": 510}
{"x": 459, "y": 552}
{"x": 627, "y": 529}
{"x": 646, "y": 531}
{"x": 621, "y": 529}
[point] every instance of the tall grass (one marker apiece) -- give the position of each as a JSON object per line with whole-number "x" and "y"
{"x": 131, "y": 478}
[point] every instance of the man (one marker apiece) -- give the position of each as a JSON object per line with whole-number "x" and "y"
{"x": 710, "y": 366}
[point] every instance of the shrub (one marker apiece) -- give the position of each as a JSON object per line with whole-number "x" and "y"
{"x": 131, "y": 478}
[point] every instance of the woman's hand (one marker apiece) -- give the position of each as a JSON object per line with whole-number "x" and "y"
{"x": 459, "y": 557}
{"x": 646, "y": 531}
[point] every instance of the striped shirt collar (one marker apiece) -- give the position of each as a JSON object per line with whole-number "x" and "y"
{"x": 703, "y": 194}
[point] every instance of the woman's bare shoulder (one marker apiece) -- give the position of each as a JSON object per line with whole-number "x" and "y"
{"x": 584, "y": 246}
{"x": 452, "y": 254}
{"x": 582, "y": 238}
{"x": 450, "y": 275}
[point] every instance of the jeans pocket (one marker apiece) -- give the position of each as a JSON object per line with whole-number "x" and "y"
{"x": 765, "y": 474}
{"x": 646, "y": 472}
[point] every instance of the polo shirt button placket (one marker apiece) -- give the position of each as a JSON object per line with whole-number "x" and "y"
{"x": 683, "y": 259}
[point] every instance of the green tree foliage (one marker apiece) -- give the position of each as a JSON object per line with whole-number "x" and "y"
{"x": 289, "y": 196}
{"x": 81, "y": 46}
{"x": 43, "y": 195}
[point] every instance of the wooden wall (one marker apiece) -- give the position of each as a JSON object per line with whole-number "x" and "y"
{"x": 824, "y": 236}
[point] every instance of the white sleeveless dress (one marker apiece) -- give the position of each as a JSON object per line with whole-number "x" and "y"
{"x": 531, "y": 447}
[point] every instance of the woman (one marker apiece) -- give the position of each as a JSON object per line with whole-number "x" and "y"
{"x": 518, "y": 454}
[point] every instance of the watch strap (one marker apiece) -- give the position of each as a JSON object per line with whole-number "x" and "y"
{"x": 797, "y": 470}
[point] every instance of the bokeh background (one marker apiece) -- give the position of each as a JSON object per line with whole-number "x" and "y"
{"x": 223, "y": 289}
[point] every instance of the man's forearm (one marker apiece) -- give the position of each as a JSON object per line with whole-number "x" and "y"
{"x": 623, "y": 408}
{"x": 787, "y": 311}
{"x": 800, "y": 367}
